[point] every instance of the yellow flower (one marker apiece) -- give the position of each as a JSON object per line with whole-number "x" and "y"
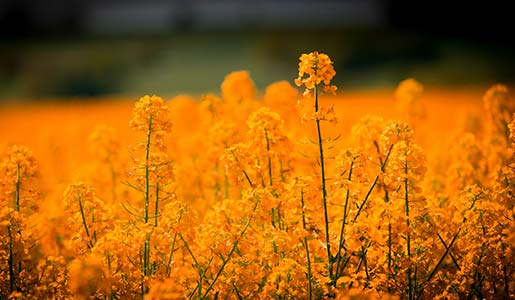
{"x": 19, "y": 162}
{"x": 408, "y": 91}
{"x": 147, "y": 109}
{"x": 151, "y": 116}
{"x": 499, "y": 109}
{"x": 316, "y": 68}
{"x": 280, "y": 94}
{"x": 87, "y": 277}
{"x": 238, "y": 86}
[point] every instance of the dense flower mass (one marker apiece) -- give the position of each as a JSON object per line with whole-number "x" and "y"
{"x": 271, "y": 198}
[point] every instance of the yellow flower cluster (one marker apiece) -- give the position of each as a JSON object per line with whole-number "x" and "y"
{"x": 151, "y": 116}
{"x": 238, "y": 86}
{"x": 315, "y": 69}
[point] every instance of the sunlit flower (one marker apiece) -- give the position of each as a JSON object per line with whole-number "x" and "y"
{"x": 315, "y": 69}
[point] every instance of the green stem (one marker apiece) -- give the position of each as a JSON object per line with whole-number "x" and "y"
{"x": 157, "y": 204}
{"x": 235, "y": 245}
{"x": 172, "y": 250}
{"x": 447, "y": 249}
{"x": 147, "y": 171}
{"x": 389, "y": 255}
{"x": 146, "y": 256}
{"x": 279, "y": 222}
{"x": 142, "y": 287}
{"x": 84, "y": 223}
{"x": 236, "y": 291}
{"x": 197, "y": 265}
{"x": 146, "y": 244}
{"x": 306, "y": 246}
{"x": 17, "y": 191}
{"x": 12, "y": 279}
{"x": 342, "y": 229}
{"x": 324, "y": 190}
{"x": 408, "y": 236}
{"x": 506, "y": 283}
{"x": 268, "y": 157}
{"x": 283, "y": 178}
{"x": 439, "y": 263}
{"x": 365, "y": 199}
{"x": 248, "y": 179}
{"x": 169, "y": 264}
{"x": 362, "y": 261}
{"x": 373, "y": 184}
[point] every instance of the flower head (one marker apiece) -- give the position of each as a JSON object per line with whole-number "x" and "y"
{"x": 151, "y": 116}
{"x": 19, "y": 162}
{"x": 280, "y": 94}
{"x": 238, "y": 86}
{"x": 151, "y": 111}
{"x": 499, "y": 109}
{"x": 316, "y": 68}
{"x": 408, "y": 91}
{"x": 407, "y": 98}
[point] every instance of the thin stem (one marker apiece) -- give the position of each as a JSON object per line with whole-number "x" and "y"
{"x": 342, "y": 229}
{"x": 362, "y": 261}
{"x": 168, "y": 265}
{"x": 236, "y": 291}
{"x": 146, "y": 244}
{"x": 147, "y": 171}
{"x": 142, "y": 285}
{"x": 506, "y": 283}
{"x": 387, "y": 199}
{"x": 408, "y": 236}
{"x": 439, "y": 263}
{"x": 235, "y": 245}
{"x": 197, "y": 264}
{"x": 157, "y": 204}
{"x": 84, "y": 223}
{"x": 172, "y": 250}
{"x": 477, "y": 289}
{"x": 269, "y": 159}
{"x": 366, "y": 266}
{"x": 248, "y": 179}
{"x": 189, "y": 250}
{"x": 365, "y": 199}
{"x": 306, "y": 247}
{"x": 324, "y": 190}
{"x": 373, "y": 184}
{"x": 17, "y": 191}
{"x": 12, "y": 279}
{"x": 283, "y": 178}
{"x": 447, "y": 248}
{"x": 198, "y": 287}
{"x": 146, "y": 255}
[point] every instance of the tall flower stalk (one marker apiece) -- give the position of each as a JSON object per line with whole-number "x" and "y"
{"x": 316, "y": 71}
{"x": 151, "y": 116}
